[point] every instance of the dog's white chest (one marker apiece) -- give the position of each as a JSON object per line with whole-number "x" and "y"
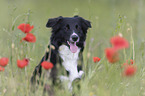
{"x": 69, "y": 61}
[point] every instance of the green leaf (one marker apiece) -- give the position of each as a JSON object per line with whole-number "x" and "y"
{"x": 13, "y": 27}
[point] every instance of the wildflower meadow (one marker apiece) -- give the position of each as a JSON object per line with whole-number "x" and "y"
{"x": 113, "y": 56}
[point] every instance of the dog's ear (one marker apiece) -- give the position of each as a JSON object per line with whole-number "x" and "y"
{"x": 53, "y": 21}
{"x": 85, "y": 23}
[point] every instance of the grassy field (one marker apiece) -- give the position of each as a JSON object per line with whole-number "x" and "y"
{"x": 108, "y": 19}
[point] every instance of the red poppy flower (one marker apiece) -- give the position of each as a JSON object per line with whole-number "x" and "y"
{"x": 47, "y": 65}
{"x": 111, "y": 55}
{"x": 2, "y": 69}
{"x": 4, "y": 61}
{"x": 119, "y": 42}
{"x": 29, "y": 38}
{"x": 131, "y": 61}
{"x": 96, "y": 59}
{"x": 130, "y": 70}
{"x": 22, "y": 63}
{"x": 26, "y": 28}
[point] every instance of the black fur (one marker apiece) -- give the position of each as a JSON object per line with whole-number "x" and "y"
{"x": 62, "y": 28}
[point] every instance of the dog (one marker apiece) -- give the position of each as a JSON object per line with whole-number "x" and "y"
{"x": 67, "y": 43}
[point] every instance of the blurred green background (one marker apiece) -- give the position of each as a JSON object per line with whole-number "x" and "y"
{"x": 108, "y": 18}
{"x": 103, "y": 14}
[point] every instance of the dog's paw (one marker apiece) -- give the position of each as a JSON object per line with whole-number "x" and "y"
{"x": 81, "y": 73}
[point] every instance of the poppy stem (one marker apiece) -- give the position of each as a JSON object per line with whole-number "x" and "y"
{"x": 132, "y": 44}
{"x": 124, "y": 51}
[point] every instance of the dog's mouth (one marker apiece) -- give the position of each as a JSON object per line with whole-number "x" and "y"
{"x": 73, "y": 46}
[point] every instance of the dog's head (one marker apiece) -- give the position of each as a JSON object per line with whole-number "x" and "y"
{"x": 69, "y": 31}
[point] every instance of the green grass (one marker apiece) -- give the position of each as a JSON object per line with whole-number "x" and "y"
{"x": 108, "y": 18}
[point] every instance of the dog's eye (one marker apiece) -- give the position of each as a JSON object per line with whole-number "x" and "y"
{"x": 67, "y": 27}
{"x": 77, "y": 27}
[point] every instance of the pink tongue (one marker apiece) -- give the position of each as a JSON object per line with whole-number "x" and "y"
{"x": 73, "y": 48}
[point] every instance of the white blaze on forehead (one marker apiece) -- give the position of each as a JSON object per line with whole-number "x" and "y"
{"x": 75, "y": 34}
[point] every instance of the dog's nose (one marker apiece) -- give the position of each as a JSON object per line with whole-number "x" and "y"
{"x": 74, "y": 37}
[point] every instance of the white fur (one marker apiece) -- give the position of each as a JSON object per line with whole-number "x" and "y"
{"x": 70, "y": 63}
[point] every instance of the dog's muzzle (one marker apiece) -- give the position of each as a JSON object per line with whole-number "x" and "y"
{"x": 74, "y": 38}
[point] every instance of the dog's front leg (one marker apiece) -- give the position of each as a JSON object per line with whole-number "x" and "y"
{"x": 80, "y": 64}
{"x": 38, "y": 68}
{"x": 37, "y": 72}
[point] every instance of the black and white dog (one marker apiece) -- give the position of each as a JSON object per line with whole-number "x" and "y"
{"x": 67, "y": 44}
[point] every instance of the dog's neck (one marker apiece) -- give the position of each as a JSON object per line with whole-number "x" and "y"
{"x": 69, "y": 61}
{"x": 70, "y": 64}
